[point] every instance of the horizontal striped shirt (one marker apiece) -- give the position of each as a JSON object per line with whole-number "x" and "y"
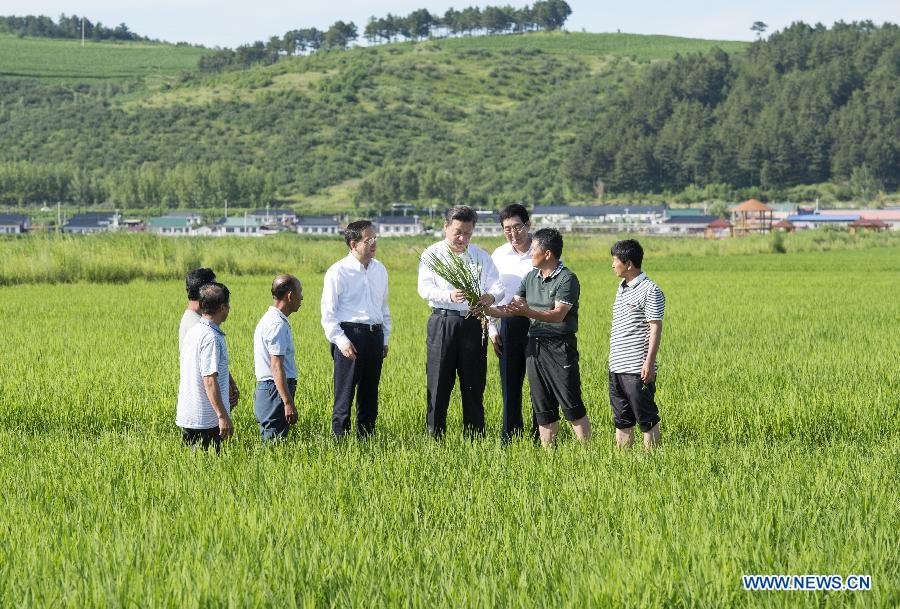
{"x": 637, "y": 303}
{"x": 203, "y": 354}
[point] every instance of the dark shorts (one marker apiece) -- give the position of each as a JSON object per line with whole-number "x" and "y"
{"x": 269, "y": 409}
{"x": 554, "y": 378}
{"x": 632, "y": 401}
{"x": 201, "y": 437}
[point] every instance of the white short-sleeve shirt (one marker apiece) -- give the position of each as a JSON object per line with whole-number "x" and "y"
{"x": 273, "y": 337}
{"x": 203, "y": 353}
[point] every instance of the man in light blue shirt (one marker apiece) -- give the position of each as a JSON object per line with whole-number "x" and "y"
{"x": 273, "y": 357}
{"x": 203, "y": 414}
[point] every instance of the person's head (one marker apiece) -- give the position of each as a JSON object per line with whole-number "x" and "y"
{"x": 515, "y": 222}
{"x": 287, "y": 293}
{"x": 459, "y": 224}
{"x": 196, "y": 279}
{"x": 361, "y": 239}
{"x": 546, "y": 248}
{"x": 215, "y": 302}
{"x": 627, "y": 256}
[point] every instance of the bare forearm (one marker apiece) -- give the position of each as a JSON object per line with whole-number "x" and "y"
{"x": 211, "y": 386}
{"x": 553, "y": 316}
{"x": 280, "y": 379}
{"x": 653, "y": 347}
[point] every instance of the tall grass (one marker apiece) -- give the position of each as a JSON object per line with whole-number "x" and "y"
{"x": 109, "y": 258}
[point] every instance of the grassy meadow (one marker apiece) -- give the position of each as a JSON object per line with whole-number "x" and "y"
{"x": 778, "y": 391}
{"x": 57, "y": 60}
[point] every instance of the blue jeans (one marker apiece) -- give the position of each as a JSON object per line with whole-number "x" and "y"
{"x": 269, "y": 409}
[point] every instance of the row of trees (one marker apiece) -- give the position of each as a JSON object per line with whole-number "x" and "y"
{"x": 65, "y": 27}
{"x": 542, "y": 15}
{"x": 195, "y": 186}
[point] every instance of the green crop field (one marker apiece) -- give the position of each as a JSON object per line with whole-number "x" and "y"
{"x": 66, "y": 60}
{"x": 778, "y": 390}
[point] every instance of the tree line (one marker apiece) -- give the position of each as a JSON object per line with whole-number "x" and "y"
{"x": 66, "y": 27}
{"x": 420, "y": 24}
{"x": 149, "y": 185}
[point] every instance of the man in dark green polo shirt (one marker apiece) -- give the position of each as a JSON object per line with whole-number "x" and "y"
{"x": 548, "y": 296}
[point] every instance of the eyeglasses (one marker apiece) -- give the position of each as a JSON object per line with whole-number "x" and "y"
{"x": 370, "y": 240}
{"x": 518, "y": 228}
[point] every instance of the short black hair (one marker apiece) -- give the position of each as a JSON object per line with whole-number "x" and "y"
{"x": 355, "y": 230}
{"x": 213, "y": 296}
{"x": 628, "y": 250}
{"x": 549, "y": 239}
{"x": 283, "y": 284}
{"x": 196, "y": 279}
{"x": 463, "y": 213}
{"x": 513, "y": 210}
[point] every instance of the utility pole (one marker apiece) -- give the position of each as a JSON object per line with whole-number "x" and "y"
{"x": 82, "y": 32}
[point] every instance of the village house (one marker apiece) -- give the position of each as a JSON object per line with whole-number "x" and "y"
{"x": 241, "y": 226}
{"x": 170, "y": 225}
{"x": 318, "y": 225}
{"x": 398, "y": 226}
{"x": 93, "y": 222}
{"x": 14, "y": 224}
{"x": 269, "y": 217}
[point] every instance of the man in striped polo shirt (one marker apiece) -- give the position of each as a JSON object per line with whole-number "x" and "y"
{"x": 633, "y": 344}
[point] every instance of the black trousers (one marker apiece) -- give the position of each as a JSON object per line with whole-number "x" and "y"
{"x": 455, "y": 347}
{"x": 360, "y": 377}
{"x": 202, "y": 438}
{"x": 514, "y": 338}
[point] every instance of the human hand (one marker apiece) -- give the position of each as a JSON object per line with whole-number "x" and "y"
{"x": 486, "y": 300}
{"x": 290, "y": 413}
{"x": 517, "y": 306}
{"x": 648, "y": 374}
{"x": 385, "y": 351}
{"x": 349, "y": 351}
{"x": 226, "y": 427}
{"x": 457, "y": 296}
{"x": 497, "y": 342}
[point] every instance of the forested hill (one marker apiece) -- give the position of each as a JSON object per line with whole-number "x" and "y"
{"x": 539, "y": 118}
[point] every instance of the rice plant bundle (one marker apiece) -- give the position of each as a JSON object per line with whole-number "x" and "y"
{"x": 463, "y": 276}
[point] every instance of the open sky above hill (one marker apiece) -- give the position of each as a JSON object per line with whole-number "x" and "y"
{"x": 233, "y": 22}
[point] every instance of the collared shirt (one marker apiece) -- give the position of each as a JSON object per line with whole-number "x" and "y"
{"x": 357, "y": 294}
{"x": 273, "y": 337}
{"x": 437, "y": 291}
{"x": 513, "y": 267}
{"x": 542, "y": 294}
{"x": 638, "y": 302}
{"x": 203, "y": 354}
{"x": 188, "y": 321}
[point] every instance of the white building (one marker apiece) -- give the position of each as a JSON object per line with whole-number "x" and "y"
{"x": 318, "y": 225}
{"x": 14, "y": 224}
{"x": 398, "y": 226}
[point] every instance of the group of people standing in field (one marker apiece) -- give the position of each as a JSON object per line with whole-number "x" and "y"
{"x": 531, "y": 297}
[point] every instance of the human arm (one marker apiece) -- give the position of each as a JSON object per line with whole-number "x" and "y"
{"x": 211, "y": 386}
{"x": 648, "y": 370}
{"x": 387, "y": 322}
{"x": 519, "y": 306}
{"x": 429, "y": 286}
{"x": 330, "y": 322}
{"x": 278, "y": 375}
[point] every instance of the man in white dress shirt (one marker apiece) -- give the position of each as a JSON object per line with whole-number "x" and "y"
{"x": 193, "y": 281}
{"x": 454, "y": 342}
{"x": 273, "y": 361}
{"x": 514, "y": 262}
{"x": 357, "y": 323}
{"x": 203, "y": 414}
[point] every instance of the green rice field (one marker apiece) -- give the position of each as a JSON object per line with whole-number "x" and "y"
{"x": 778, "y": 389}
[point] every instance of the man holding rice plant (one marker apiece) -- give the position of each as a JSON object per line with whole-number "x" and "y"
{"x": 548, "y": 296}
{"x": 459, "y": 281}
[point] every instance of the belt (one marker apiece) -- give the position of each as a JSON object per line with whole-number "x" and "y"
{"x": 369, "y": 327}
{"x": 290, "y": 381}
{"x": 449, "y": 312}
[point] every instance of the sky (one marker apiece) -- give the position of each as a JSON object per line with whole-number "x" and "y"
{"x": 229, "y": 23}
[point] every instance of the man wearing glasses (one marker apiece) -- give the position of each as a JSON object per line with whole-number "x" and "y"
{"x": 357, "y": 323}
{"x": 513, "y": 261}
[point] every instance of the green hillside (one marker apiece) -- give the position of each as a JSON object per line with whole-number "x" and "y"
{"x": 538, "y": 118}
{"x": 59, "y": 60}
